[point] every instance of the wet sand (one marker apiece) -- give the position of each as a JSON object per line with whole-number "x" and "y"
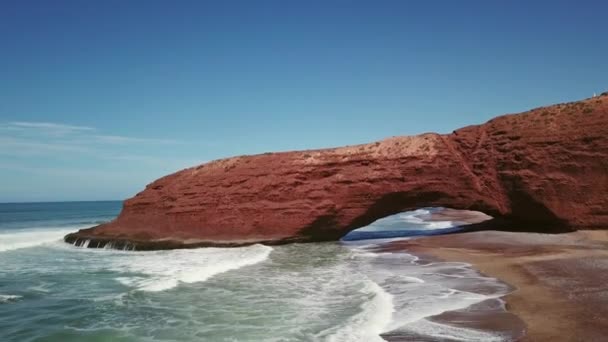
{"x": 560, "y": 281}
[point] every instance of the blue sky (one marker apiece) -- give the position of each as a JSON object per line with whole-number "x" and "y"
{"x": 98, "y": 98}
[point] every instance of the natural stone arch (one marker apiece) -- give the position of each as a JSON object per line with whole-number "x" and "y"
{"x": 544, "y": 170}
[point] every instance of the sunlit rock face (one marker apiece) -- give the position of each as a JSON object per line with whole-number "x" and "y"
{"x": 544, "y": 168}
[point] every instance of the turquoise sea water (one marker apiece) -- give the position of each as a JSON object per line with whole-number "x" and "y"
{"x": 343, "y": 291}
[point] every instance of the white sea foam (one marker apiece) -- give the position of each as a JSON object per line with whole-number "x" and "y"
{"x": 325, "y": 292}
{"x": 373, "y": 319}
{"x": 43, "y": 287}
{"x": 25, "y": 238}
{"x": 419, "y": 290}
{"x": 163, "y": 270}
{"x": 402, "y": 292}
{"x": 442, "y": 332}
{"x": 415, "y": 220}
{"x": 439, "y": 225}
{"x": 9, "y": 298}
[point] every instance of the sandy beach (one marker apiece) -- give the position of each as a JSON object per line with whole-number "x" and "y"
{"x": 559, "y": 280}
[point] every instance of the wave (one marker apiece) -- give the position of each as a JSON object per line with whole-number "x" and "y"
{"x": 26, "y": 238}
{"x": 402, "y": 225}
{"x": 9, "y": 298}
{"x": 419, "y": 219}
{"x": 444, "y": 332}
{"x": 367, "y": 325}
{"x": 419, "y": 290}
{"x": 164, "y": 270}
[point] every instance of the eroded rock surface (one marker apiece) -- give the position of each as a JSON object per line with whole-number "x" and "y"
{"x": 546, "y": 168}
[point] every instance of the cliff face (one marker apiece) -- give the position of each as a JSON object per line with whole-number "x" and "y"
{"x": 545, "y": 168}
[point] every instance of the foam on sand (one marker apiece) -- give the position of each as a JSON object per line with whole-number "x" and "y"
{"x": 420, "y": 289}
{"x": 443, "y": 332}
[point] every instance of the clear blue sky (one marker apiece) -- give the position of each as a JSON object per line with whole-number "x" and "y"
{"x": 98, "y": 98}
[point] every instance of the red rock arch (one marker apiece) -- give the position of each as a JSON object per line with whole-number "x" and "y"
{"x": 546, "y": 169}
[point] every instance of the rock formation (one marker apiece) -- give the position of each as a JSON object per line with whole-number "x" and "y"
{"x": 546, "y": 169}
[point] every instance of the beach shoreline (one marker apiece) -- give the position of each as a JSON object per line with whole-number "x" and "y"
{"x": 558, "y": 279}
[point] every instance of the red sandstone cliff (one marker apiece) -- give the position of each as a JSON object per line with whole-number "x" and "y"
{"x": 546, "y": 168}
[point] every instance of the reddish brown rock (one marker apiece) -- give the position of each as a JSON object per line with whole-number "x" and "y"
{"x": 545, "y": 169}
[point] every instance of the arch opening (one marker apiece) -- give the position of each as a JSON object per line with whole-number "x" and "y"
{"x": 424, "y": 221}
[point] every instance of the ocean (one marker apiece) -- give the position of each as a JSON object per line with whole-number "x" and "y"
{"x": 342, "y": 291}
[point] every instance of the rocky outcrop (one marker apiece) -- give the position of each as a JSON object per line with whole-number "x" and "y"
{"x": 546, "y": 169}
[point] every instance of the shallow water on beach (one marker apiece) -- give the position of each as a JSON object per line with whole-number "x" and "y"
{"x": 343, "y": 291}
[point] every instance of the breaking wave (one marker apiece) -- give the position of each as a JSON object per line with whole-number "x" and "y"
{"x": 9, "y": 298}
{"x": 410, "y": 223}
{"x": 371, "y": 321}
{"x": 17, "y": 239}
{"x": 163, "y": 270}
